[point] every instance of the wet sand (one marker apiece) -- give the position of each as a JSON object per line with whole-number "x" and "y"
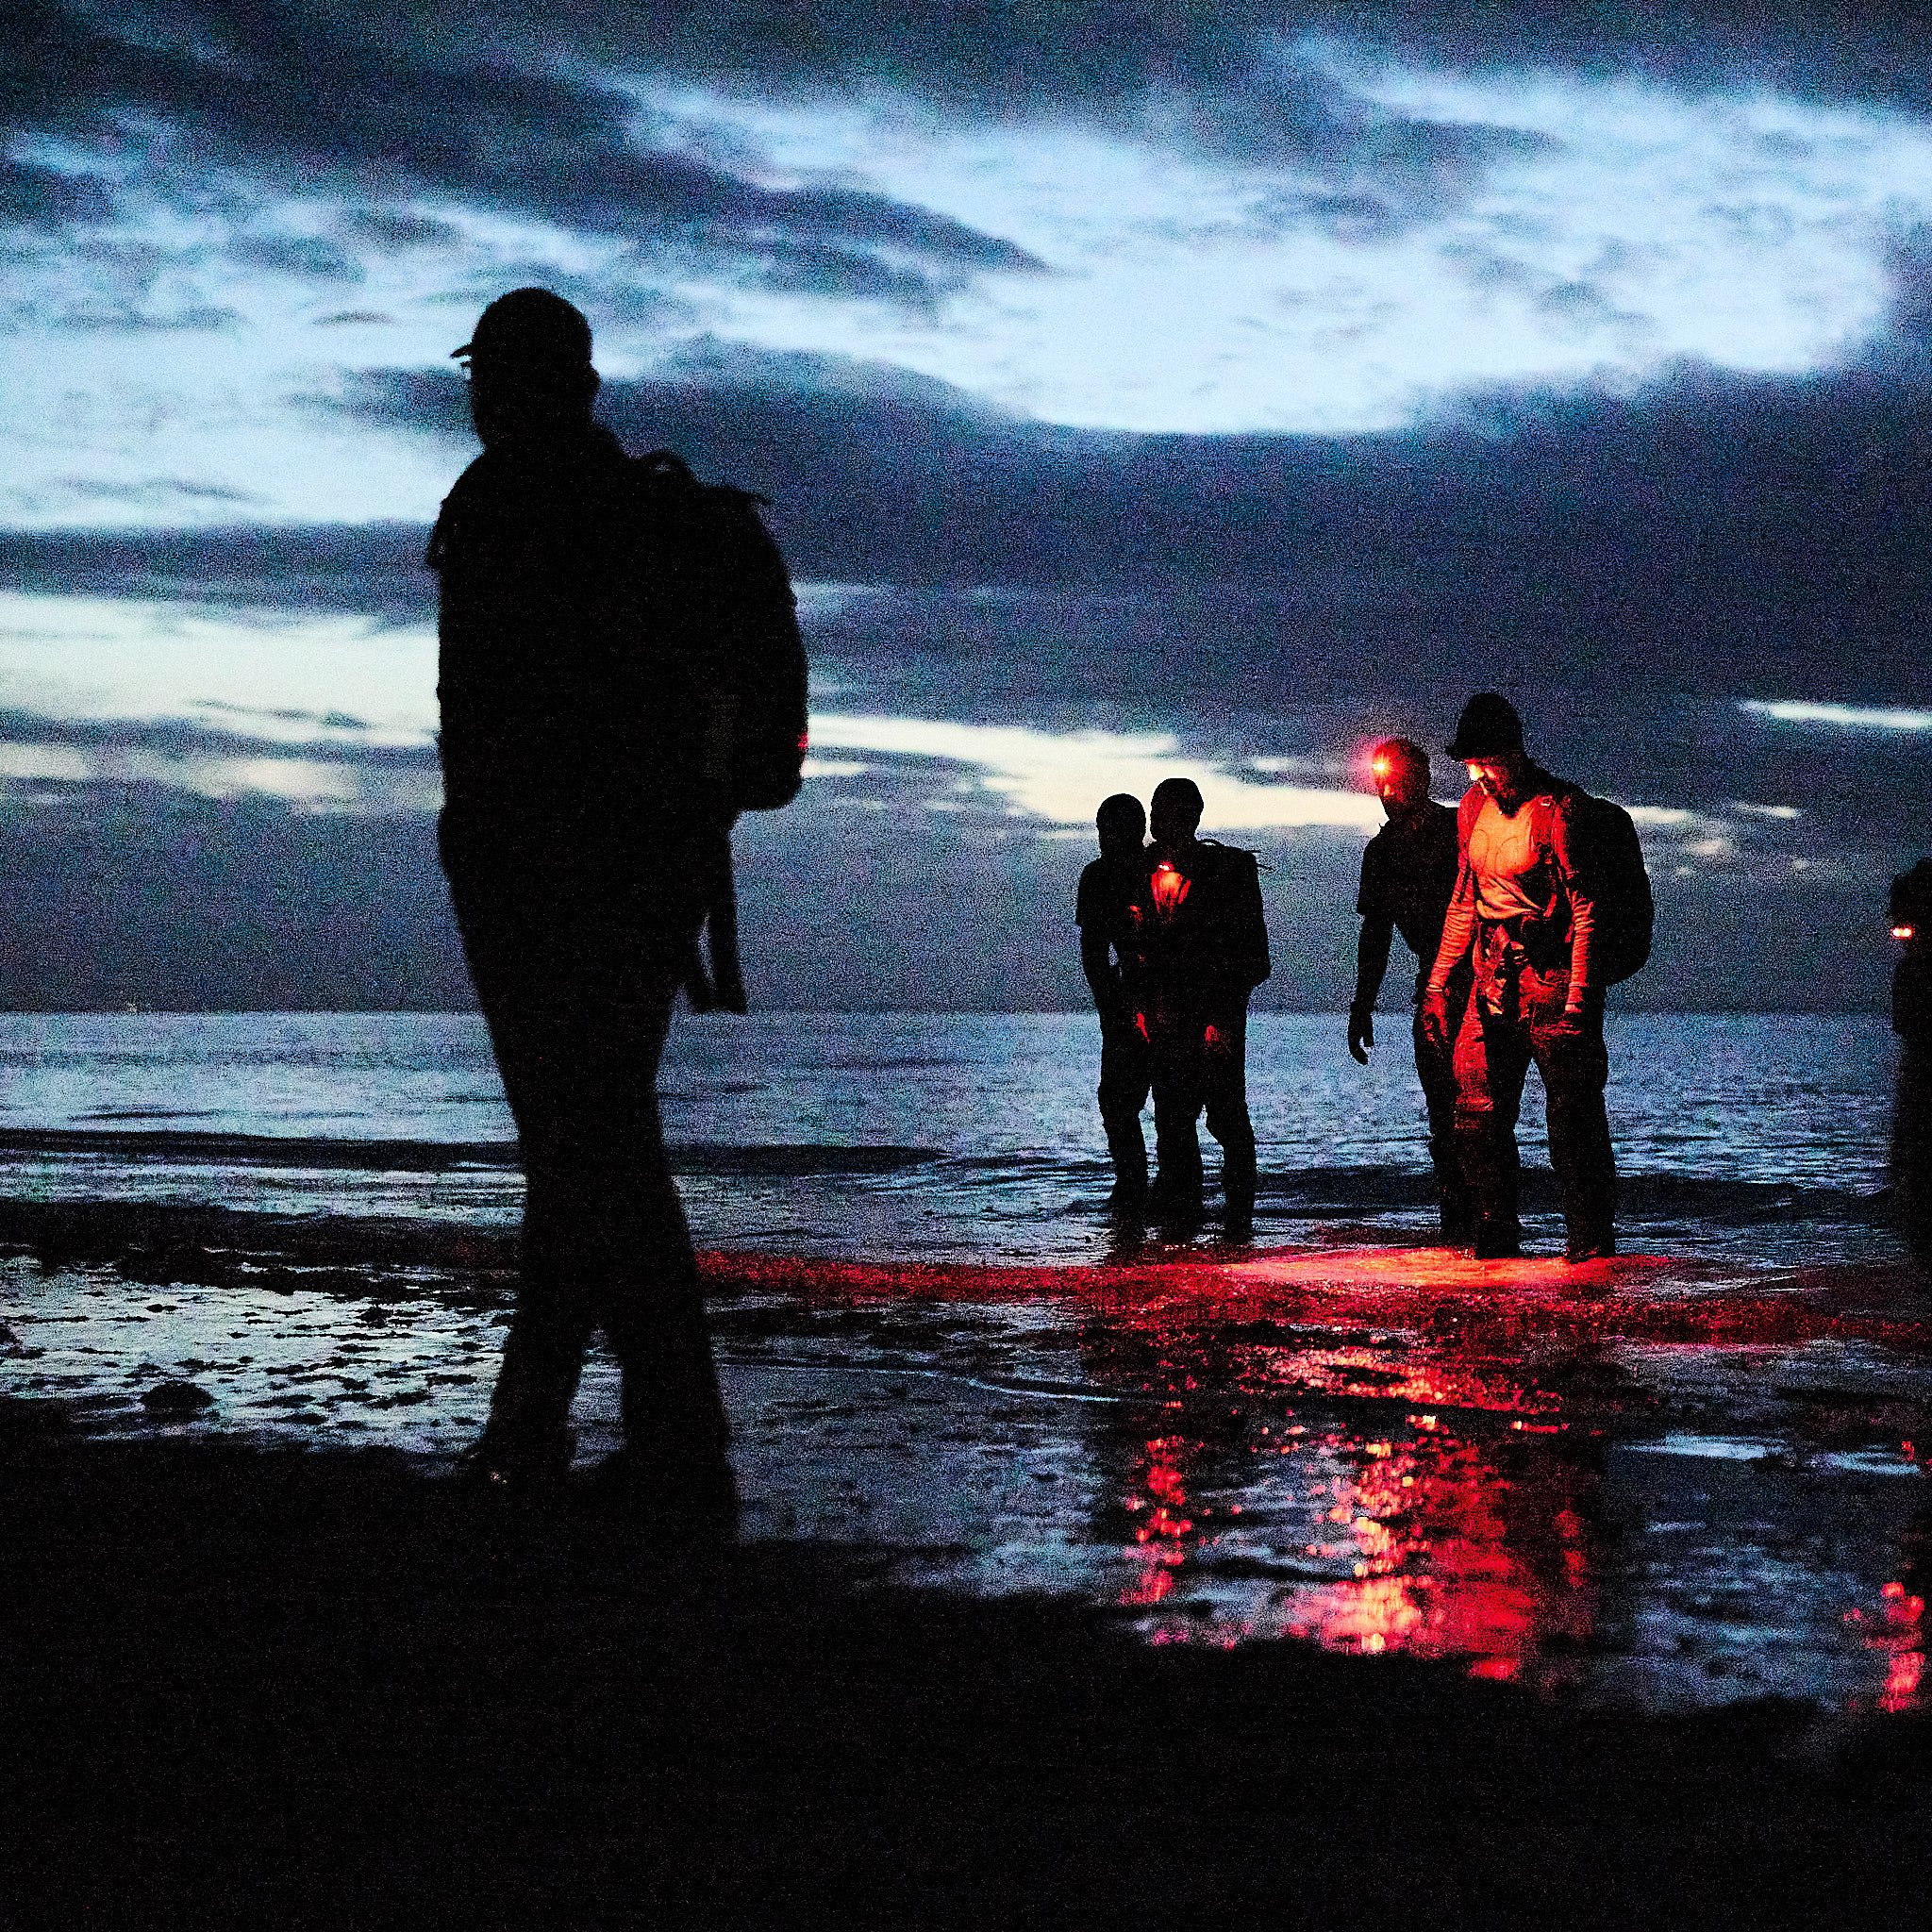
{"x": 974, "y": 1658}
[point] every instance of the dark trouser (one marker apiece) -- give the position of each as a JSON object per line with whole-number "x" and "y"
{"x": 1191, "y": 1073}
{"x": 1435, "y": 1068}
{"x": 577, "y": 977}
{"x": 1126, "y": 1073}
{"x": 1492, "y": 1056}
{"x": 1911, "y": 1149}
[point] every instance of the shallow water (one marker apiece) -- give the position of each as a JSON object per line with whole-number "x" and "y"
{"x": 963, "y": 1136}
{"x": 1578, "y": 1502}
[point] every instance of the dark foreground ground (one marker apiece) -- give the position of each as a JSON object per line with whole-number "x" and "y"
{"x": 295, "y": 1690}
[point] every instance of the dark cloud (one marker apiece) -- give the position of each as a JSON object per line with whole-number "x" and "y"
{"x": 48, "y": 198}
{"x": 282, "y": 91}
{"x": 123, "y": 894}
{"x": 389, "y": 229}
{"x": 132, "y": 893}
{"x": 153, "y": 492}
{"x": 1734, "y": 539}
{"x": 174, "y": 737}
{"x": 374, "y": 569}
{"x": 311, "y": 257}
{"x": 1005, "y": 57}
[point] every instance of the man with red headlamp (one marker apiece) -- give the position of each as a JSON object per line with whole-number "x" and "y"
{"x": 1525, "y": 918}
{"x": 1408, "y": 879}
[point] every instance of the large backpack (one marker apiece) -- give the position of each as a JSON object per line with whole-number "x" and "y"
{"x": 1610, "y": 859}
{"x": 743, "y": 619}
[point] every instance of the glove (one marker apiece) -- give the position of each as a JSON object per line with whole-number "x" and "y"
{"x": 1361, "y": 1032}
{"x": 1435, "y": 1016}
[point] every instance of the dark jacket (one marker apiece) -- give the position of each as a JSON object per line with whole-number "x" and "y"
{"x": 1210, "y": 951}
{"x": 570, "y": 682}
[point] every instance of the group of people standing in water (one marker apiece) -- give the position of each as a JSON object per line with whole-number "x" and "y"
{"x": 1519, "y": 913}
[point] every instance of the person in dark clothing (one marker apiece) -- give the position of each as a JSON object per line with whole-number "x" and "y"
{"x": 1408, "y": 879}
{"x": 1911, "y": 1020}
{"x": 1103, "y": 911}
{"x": 1523, "y": 918}
{"x": 585, "y": 806}
{"x": 1201, "y": 947}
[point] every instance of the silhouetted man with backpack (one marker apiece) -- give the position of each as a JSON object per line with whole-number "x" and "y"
{"x": 1537, "y": 857}
{"x": 1408, "y": 877}
{"x": 595, "y": 684}
{"x": 1201, "y": 947}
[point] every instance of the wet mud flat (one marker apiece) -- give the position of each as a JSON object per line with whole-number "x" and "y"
{"x": 258, "y": 1686}
{"x": 1651, "y": 1483}
{"x": 1347, "y": 1588}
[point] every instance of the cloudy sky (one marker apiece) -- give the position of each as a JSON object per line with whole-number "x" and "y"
{"x": 1139, "y": 388}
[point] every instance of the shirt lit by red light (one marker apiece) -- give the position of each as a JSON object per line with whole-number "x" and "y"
{"x": 1170, "y": 889}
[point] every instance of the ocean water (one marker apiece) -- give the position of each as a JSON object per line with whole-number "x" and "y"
{"x": 951, "y": 1136}
{"x": 1600, "y": 1507}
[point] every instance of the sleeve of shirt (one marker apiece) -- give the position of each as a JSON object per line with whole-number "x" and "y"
{"x": 1458, "y": 922}
{"x": 1369, "y": 895}
{"x": 1564, "y": 842}
{"x": 1083, "y": 901}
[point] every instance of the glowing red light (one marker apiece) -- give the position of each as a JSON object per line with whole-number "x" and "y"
{"x": 1902, "y": 932}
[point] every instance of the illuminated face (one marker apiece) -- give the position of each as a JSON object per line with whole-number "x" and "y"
{"x": 1500, "y": 776}
{"x": 1401, "y": 784}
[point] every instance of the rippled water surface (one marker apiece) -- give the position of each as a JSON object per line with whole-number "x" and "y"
{"x": 967, "y": 1136}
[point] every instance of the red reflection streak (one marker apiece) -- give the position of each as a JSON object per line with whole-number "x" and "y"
{"x": 1456, "y": 1559}
{"x": 1163, "y": 1529}
{"x": 1899, "y": 1629}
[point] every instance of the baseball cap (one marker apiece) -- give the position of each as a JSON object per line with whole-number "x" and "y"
{"x": 529, "y": 327}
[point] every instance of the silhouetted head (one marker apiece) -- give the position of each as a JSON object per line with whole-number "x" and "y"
{"x": 529, "y": 369}
{"x": 1122, "y": 826}
{"x": 1176, "y": 811}
{"x": 1912, "y": 907}
{"x": 1489, "y": 740}
{"x": 1401, "y": 775}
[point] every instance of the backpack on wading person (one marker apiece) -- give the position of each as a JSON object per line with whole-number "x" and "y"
{"x": 1609, "y": 860}
{"x": 741, "y": 617}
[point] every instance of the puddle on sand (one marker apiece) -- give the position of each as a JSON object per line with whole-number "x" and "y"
{"x": 1640, "y": 1524}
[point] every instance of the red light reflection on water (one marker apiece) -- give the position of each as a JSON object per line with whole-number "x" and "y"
{"x": 1456, "y": 1556}
{"x": 1898, "y": 1627}
{"x": 1439, "y": 1509}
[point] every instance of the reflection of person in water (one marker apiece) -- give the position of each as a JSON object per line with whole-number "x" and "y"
{"x": 584, "y": 806}
{"x": 1202, "y": 948}
{"x": 1911, "y": 1020}
{"x": 1524, "y": 916}
{"x": 1408, "y": 877}
{"x": 1229, "y": 1462}
{"x": 1103, "y": 914}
